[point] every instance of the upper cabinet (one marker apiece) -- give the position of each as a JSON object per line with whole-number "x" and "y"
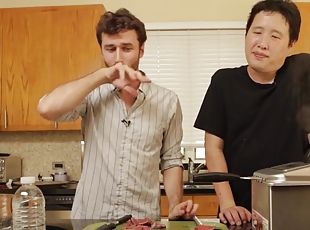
{"x": 1, "y": 115}
{"x": 303, "y": 44}
{"x": 41, "y": 48}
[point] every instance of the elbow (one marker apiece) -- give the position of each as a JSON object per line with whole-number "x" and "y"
{"x": 45, "y": 111}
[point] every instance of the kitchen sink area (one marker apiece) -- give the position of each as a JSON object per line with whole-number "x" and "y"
{"x": 198, "y": 186}
{"x": 193, "y": 188}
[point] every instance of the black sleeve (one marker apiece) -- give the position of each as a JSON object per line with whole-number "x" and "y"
{"x": 211, "y": 116}
{"x": 301, "y": 77}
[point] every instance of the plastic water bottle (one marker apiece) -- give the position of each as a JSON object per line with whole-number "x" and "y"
{"x": 28, "y": 206}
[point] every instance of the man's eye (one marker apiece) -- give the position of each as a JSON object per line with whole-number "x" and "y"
{"x": 257, "y": 32}
{"x": 275, "y": 36}
{"x": 126, "y": 49}
{"x": 110, "y": 49}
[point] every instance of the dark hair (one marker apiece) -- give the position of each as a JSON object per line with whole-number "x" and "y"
{"x": 286, "y": 8}
{"x": 122, "y": 19}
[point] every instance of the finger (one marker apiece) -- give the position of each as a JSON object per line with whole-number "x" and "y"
{"x": 193, "y": 210}
{"x": 183, "y": 205}
{"x": 222, "y": 218}
{"x": 130, "y": 73}
{"x": 136, "y": 75}
{"x": 141, "y": 77}
{"x": 189, "y": 205}
{"x": 248, "y": 215}
{"x": 235, "y": 215}
{"x": 242, "y": 215}
{"x": 229, "y": 217}
{"x": 176, "y": 212}
{"x": 121, "y": 71}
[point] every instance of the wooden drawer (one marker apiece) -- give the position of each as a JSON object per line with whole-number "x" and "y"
{"x": 208, "y": 205}
{"x": 164, "y": 205}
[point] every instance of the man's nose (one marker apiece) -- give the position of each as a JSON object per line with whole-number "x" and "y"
{"x": 118, "y": 55}
{"x": 263, "y": 43}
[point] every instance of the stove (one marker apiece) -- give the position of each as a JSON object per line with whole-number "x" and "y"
{"x": 59, "y": 200}
{"x": 59, "y": 197}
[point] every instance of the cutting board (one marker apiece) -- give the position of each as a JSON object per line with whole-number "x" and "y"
{"x": 171, "y": 225}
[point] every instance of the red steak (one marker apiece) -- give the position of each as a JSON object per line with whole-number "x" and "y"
{"x": 142, "y": 224}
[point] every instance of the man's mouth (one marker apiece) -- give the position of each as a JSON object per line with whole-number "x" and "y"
{"x": 260, "y": 55}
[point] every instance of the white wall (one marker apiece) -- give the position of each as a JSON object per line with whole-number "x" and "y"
{"x": 161, "y": 10}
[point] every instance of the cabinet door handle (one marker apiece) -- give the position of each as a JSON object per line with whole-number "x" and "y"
{"x": 56, "y": 125}
{"x": 5, "y": 119}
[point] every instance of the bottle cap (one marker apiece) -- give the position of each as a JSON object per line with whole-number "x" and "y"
{"x": 27, "y": 180}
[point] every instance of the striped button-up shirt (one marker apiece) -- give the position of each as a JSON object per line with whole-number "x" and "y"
{"x": 123, "y": 150}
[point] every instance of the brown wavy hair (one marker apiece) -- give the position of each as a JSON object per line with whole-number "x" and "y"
{"x": 122, "y": 19}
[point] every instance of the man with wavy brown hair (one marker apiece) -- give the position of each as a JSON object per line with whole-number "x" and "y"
{"x": 131, "y": 125}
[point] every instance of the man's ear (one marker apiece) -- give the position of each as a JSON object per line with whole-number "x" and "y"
{"x": 141, "y": 53}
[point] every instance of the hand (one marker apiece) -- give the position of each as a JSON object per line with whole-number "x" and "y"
{"x": 124, "y": 77}
{"x": 235, "y": 215}
{"x": 186, "y": 210}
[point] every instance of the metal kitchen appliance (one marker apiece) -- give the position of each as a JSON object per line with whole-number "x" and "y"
{"x": 281, "y": 197}
{"x": 10, "y": 167}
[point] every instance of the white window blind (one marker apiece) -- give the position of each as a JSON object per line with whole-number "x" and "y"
{"x": 185, "y": 60}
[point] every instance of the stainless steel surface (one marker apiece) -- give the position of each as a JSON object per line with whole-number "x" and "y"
{"x": 200, "y": 166}
{"x": 191, "y": 171}
{"x": 295, "y": 173}
{"x": 10, "y": 168}
{"x": 194, "y": 186}
{"x": 198, "y": 186}
{"x": 282, "y": 203}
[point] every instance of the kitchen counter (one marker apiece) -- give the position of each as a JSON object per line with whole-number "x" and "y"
{"x": 70, "y": 188}
{"x": 171, "y": 225}
{"x": 57, "y": 189}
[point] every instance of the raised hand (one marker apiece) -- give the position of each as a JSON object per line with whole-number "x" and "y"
{"x": 186, "y": 210}
{"x": 125, "y": 78}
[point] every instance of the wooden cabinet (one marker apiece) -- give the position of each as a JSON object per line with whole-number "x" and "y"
{"x": 1, "y": 111}
{"x": 208, "y": 205}
{"x": 303, "y": 43}
{"x": 43, "y": 47}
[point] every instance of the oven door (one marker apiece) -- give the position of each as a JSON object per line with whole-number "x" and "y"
{"x": 58, "y": 206}
{"x": 57, "y": 214}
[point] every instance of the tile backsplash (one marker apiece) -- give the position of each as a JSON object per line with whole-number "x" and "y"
{"x": 39, "y": 150}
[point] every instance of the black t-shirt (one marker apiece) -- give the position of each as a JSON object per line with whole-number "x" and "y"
{"x": 256, "y": 121}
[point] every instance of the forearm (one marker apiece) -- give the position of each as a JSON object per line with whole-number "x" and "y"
{"x": 173, "y": 183}
{"x": 66, "y": 97}
{"x": 216, "y": 163}
{"x": 222, "y": 189}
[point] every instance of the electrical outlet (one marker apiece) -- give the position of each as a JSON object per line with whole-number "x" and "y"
{"x": 58, "y": 165}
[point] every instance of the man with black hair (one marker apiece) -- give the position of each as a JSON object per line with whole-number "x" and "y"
{"x": 254, "y": 115}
